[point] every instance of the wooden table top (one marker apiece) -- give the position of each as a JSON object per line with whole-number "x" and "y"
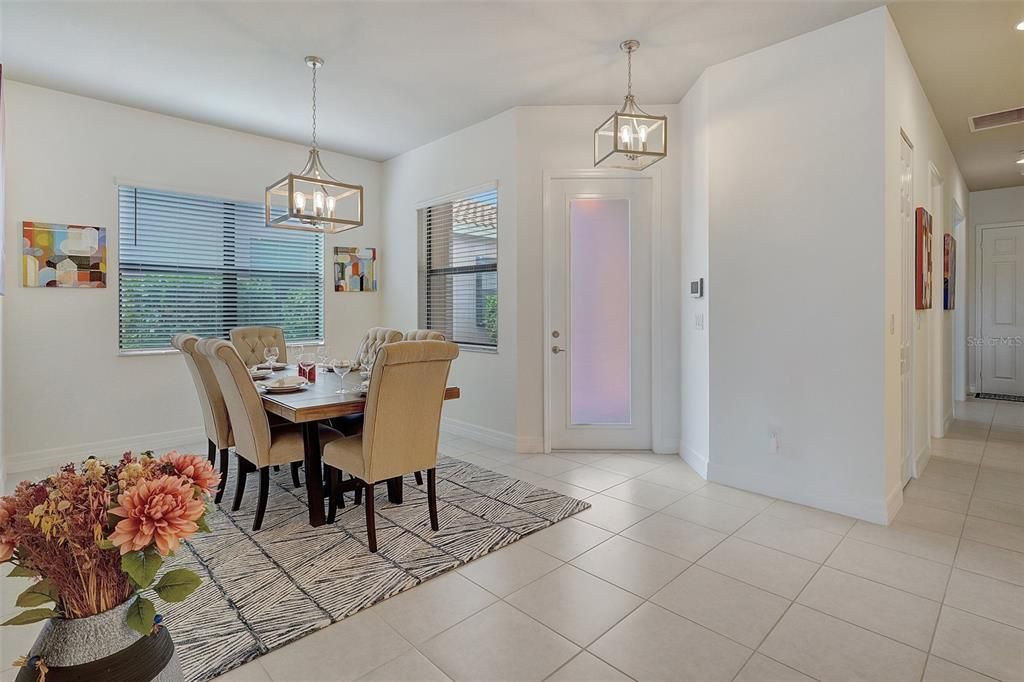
{"x": 322, "y": 400}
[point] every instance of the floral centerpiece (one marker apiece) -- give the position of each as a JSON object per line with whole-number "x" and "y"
{"x": 94, "y": 537}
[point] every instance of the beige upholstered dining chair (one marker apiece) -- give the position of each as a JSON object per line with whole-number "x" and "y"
{"x": 211, "y": 400}
{"x": 250, "y": 342}
{"x": 401, "y": 426}
{"x": 372, "y": 342}
{"x": 423, "y": 335}
{"x": 257, "y": 446}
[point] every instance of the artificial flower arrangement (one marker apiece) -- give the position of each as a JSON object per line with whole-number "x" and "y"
{"x": 96, "y": 537}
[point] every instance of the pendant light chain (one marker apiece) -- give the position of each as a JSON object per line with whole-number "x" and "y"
{"x": 314, "y": 107}
{"x": 629, "y": 73}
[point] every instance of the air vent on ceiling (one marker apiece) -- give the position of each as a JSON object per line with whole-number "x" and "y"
{"x": 997, "y": 119}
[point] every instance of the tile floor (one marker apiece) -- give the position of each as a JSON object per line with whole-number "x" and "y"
{"x": 668, "y": 577}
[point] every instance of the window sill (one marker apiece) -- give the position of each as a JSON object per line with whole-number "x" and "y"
{"x": 486, "y": 350}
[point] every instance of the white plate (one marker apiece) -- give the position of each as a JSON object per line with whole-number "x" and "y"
{"x": 277, "y": 366}
{"x": 284, "y": 389}
{"x": 260, "y": 373}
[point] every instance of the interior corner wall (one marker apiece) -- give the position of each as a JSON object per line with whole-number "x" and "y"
{"x": 987, "y": 207}
{"x": 796, "y": 250}
{"x": 908, "y": 111}
{"x": 64, "y": 154}
{"x": 482, "y": 153}
{"x": 694, "y": 133}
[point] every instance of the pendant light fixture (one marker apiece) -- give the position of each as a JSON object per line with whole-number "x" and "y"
{"x": 312, "y": 200}
{"x": 630, "y": 138}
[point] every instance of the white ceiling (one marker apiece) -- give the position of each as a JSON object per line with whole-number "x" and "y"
{"x": 970, "y": 61}
{"x": 397, "y": 74}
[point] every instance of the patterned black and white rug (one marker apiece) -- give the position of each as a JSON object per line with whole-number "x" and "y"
{"x": 265, "y": 589}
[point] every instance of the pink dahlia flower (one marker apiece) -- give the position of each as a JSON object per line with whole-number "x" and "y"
{"x": 194, "y": 468}
{"x": 162, "y": 511}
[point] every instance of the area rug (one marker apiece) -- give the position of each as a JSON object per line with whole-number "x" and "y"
{"x": 1000, "y": 396}
{"x": 264, "y": 589}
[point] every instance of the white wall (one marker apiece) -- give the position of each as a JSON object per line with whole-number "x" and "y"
{"x": 482, "y": 153}
{"x": 695, "y": 131}
{"x": 75, "y": 394}
{"x": 907, "y": 109}
{"x": 988, "y": 207}
{"x": 796, "y": 251}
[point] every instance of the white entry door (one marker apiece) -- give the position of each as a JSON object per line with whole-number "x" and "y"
{"x": 598, "y": 337}
{"x": 907, "y": 301}
{"x": 1002, "y": 310}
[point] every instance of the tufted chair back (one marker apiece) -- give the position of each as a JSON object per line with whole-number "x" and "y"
{"x": 423, "y": 335}
{"x": 249, "y": 422}
{"x": 211, "y": 400}
{"x": 250, "y": 342}
{"x": 374, "y": 339}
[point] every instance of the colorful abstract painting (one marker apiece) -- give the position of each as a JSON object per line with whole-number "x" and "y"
{"x": 923, "y": 261}
{"x": 948, "y": 272}
{"x": 69, "y": 256}
{"x": 355, "y": 269}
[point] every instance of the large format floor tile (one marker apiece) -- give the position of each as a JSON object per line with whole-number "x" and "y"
{"x": 631, "y": 565}
{"x": 830, "y": 649}
{"x": 587, "y": 667}
{"x": 510, "y": 569}
{"x": 760, "y": 668}
{"x": 567, "y": 539}
{"x": 675, "y": 536}
{"x": 655, "y": 644}
{"x": 611, "y": 514}
{"x": 980, "y": 644}
{"x": 995, "y": 562}
{"x": 890, "y": 567}
{"x": 421, "y": 613}
{"x": 790, "y": 537}
{"x": 983, "y": 596}
{"x": 499, "y": 643}
{"x": 780, "y": 573}
{"x": 909, "y": 539}
{"x": 725, "y": 518}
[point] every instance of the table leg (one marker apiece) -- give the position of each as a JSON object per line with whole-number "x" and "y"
{"x": 395, "y": 490}
{"x": 314, "y": 479}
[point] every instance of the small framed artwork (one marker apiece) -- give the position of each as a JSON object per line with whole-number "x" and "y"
{"x": 948, "y": 272}
{"x": 63, "y": 256}
{"x": 355, "y": 269}
{"x": 923, "y": 261}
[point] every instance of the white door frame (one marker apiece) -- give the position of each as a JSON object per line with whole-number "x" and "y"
{"x": 937, "y": 205}
{"x": 978, "y": 233}
{"x": 657, "y": 381}
{"x": 960, "y": 311}
{"x": 908, "y": 333}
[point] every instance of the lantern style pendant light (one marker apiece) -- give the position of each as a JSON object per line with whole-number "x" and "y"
{"x": 312, "y": 200}
{"x": 630, "y": 138}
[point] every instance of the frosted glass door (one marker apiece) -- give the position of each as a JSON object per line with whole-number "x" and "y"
{"x": 597, "y": 259}
{"x": 599, "y": 312}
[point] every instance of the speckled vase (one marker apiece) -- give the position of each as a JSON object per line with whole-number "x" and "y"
{"x": 64, "y": 642}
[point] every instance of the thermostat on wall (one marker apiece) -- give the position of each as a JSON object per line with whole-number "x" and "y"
{"x": 697, "y": 288}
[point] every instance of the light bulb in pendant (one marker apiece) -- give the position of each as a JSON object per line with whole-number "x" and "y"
{"x": 331, "y": 203}
{"x": 626, "y": 136}
{"x": 318, "y": 203}
{"x": 300, "y": 202}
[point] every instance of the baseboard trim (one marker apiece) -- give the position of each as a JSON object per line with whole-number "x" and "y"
{"x": 697, "y": 461}
{"x": 107, "y": 449}
{"x": 921, "y": 460}
{"x": 947, "y": 423}
{"x": 893, "y": 502}
{"x": 875, "y": 510}
{"x": 492, "y": 437}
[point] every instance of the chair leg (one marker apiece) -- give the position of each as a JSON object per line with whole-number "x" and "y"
{"x": 432, "y": 497}
{"x": 243, "y": 469}
{"x": 223, "y": 475}
{"x": 277, "y": 468}
{"x": 211, "y": 451}
{"x": 359, "y": 494}
{"x": 371, "y": 521}
{"x": 295, "y": 474}
{"x": 261, "y": 504}
{"x": 419, "y": 478}
{"x": 332, "y": 500}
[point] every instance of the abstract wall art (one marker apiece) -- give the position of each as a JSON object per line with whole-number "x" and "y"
{"x": 67, "y": 256}
{"x": 923, "y": 261}
{"x": 355, "y": 269}
{"x": 948, "y": 272}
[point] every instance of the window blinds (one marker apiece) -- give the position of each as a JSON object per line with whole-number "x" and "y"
{"x": 204, "y": 265}
{"x": 458, "y": 288}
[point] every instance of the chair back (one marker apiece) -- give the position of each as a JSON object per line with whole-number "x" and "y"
{"x": 372, "y": 342}
{"x": 211, "y": 400}
{"x": 423, "y": 335}
{"x": 403, "y": 408}
{"x": 250, "y": 342}
{"x": 249, "y": 423}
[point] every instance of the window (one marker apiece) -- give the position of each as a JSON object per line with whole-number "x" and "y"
{"x": 204, "y": 265}
{"x": 458, "y": 292}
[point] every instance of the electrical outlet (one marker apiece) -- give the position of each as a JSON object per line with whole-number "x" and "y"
{"x": 699, "y": 321}
{"x": 773, "y": 442}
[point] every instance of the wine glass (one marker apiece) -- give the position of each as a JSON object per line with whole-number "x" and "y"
{"x": 341, "y": 368}
{"x": 270, "y": 354}
{"x": 307, "y": 361}
{"x": 322, "y": 358}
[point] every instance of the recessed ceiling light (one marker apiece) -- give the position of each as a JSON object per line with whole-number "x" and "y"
{"x": 1020, "y": 26}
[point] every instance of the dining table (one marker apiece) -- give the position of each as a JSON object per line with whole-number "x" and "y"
{"x": 330, "y": 395}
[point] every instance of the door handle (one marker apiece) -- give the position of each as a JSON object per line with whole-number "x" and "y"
{"x": 557, "y": 349}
